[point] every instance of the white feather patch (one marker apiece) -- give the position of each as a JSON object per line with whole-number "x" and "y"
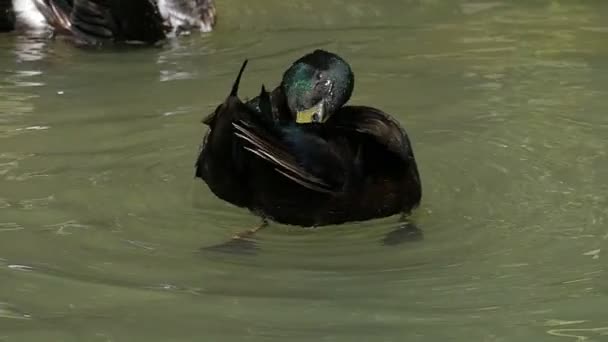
{"x": 28, "y": 14}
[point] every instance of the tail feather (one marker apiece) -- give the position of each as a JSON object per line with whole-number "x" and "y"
{"x": 209, "y": 120}
{"x": 235, "y": 85}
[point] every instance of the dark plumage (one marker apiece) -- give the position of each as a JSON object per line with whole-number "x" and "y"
{"x": 298, "y": 156}
{"x": 7, "y": 16}
{"x": 97, "y": 22}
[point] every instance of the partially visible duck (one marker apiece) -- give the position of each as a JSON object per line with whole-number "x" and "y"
{"x": 97, "y": 22}
{"x": 298, "y": 156}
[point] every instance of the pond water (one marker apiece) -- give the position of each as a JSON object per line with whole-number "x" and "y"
{"x": 103, "y": 227}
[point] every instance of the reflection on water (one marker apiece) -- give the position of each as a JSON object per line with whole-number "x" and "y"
{"x": 16, "y": 99}
{"x": 103, "y": 228}
{"x": 30, "y": 48}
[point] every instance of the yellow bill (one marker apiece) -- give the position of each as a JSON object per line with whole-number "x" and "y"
{"x": 312, "y": 115}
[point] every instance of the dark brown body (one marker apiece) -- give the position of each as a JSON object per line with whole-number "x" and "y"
{"x": 359, "y": 165}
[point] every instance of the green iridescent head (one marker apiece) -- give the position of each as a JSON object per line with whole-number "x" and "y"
{"x": 317, "y": 85}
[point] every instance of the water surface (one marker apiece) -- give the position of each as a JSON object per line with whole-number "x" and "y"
{"x": 102, "y": 222}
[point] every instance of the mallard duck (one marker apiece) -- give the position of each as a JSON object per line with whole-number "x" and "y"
{"x": 299, "y": 156}
{"x": 95, "y": 22}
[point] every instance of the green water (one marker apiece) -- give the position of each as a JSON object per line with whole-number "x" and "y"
{"x": 102, "y": 223}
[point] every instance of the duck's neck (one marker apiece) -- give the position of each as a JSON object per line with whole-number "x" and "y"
{"x": 280, "y": 109}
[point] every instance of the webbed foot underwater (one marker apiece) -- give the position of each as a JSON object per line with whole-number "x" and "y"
{"x": 298, "y": 155}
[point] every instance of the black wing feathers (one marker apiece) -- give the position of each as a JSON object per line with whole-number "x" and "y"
{"x": 373, "y": 122}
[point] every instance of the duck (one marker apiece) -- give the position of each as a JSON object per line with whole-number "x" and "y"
{"x": 297, "y": 155}
{"x": 99, "y": 22}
